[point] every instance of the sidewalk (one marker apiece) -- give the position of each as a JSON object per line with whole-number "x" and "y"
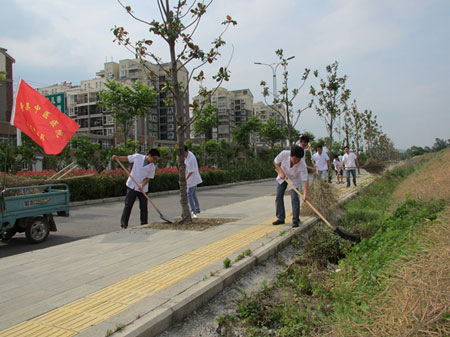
{"x": 141, "y": 278}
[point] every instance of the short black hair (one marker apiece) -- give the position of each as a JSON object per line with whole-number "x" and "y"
{"x": 336, "y": 156}
{"x": 297, "y": 151}
{"x": 346, "y": 147}
{"x": 186, "y": 148}
{"x": 319, "y": 146}
{"x": 154, "y": 152}
{"x": 304, "y": 138}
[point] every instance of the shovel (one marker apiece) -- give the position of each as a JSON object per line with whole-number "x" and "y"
{"x": 148, "y": 198}
{"x": 336, "y": 230}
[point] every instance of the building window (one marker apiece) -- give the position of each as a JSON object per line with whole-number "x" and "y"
{"x": 123, "y": 73}
{"x": 109, "y": 131}
{"x": 170, "y": 135}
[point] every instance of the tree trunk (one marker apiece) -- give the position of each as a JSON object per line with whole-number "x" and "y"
{"x": 181, "y": 127}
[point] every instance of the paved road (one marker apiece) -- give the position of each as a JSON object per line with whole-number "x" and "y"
{"x": 86, "y": 221}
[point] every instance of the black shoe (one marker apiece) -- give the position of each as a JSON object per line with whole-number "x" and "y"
{"x": 278, "y": 222}
{"x": 123, "y": 227}
{"x": 295, "y": 224}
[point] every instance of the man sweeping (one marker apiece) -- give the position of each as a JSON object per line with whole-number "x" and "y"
{"x": 289, "y": 165}
{"x": 143, "y": 170}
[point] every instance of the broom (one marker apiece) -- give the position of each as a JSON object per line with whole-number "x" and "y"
{"x": 336, "y": 230}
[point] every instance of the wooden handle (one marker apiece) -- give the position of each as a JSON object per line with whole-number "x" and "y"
{"x": 134, "y": 180}
{"x": 309, "y": 204}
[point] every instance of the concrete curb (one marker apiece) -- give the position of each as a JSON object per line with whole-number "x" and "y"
{"x": 182, "y": 305}
{"x": 201, "y": 188}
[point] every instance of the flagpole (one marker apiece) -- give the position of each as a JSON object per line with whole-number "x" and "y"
{"x": 13, "y": 114}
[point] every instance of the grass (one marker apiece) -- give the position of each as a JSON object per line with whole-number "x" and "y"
{"x": 342, "y": 289}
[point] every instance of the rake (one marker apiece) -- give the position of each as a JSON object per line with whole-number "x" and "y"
{"x": 148, "y": 198}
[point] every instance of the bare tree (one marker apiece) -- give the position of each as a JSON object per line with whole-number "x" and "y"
{"x": 282, "y": 97}
{"x": 179, "y": 23}
{"x": 331, "y": 99}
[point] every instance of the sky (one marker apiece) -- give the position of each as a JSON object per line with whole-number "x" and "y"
{"x": 395, "y": 53}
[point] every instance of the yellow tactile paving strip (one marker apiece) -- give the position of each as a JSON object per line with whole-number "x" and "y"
{"x": 72, "y": 318}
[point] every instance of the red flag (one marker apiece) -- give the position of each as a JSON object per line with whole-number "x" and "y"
{"x": 37, "y": 117}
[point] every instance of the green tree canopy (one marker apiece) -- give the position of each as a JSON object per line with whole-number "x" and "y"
{"x": 127, "y": 102}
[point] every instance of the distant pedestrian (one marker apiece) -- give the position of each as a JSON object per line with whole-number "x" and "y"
{"x": 289, "y": 165}
{"x": 304, "y": 144}
{"x": 142, "y": 171}
{"x": 350, "y": 162}
{"x": 337, "y": 169}
{"x": 193, "y": 178}
{"x": 322, "y": 162}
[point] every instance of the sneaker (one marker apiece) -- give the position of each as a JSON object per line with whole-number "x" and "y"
{"x": 295, "y": 224}
{"x": 193, "y": 215}
{"x": 123, "y": 227}
{"x": 278, "y": 222}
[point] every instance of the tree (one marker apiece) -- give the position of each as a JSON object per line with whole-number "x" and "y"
{"x": 440, "y": 144}
{"x": 177, "y": 27}
{"x": 371, "y": 131}
{"x": 241, "y": 134}
{"x": 331, "y": 99}
{"x": 126, "y": 103}
{"x": 205, "y": 121}
{"x": 282, "y": 98}
{"x": 83, "y": 150}
{"x": 271, "y": 132}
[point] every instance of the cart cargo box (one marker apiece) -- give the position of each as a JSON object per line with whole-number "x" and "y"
{"x": 30, "y": 209}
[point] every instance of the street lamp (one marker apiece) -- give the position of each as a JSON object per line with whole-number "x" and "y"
{"x": 274, "y": 67}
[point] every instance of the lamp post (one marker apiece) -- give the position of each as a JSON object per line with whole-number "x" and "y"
{"x": 274, "y": 67}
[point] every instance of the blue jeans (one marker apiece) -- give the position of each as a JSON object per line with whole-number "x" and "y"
{"x": 347, "y": 175}
{"x": 279, "y": 203}
{"x": 192, "y": 199}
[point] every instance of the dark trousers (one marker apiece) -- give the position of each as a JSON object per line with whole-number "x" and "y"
{"x": 130, "y": 198}
{"x": 279, "y": 203}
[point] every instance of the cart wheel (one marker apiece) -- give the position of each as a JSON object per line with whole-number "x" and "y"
{"x": 37, "y": 230}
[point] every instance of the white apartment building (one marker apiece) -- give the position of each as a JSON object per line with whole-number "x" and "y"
{"x": 158, "y": 128}
{"x": 233, "y": 108}
{"x": 264, "y": 113}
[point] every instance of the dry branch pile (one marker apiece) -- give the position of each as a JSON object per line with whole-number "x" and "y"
{"x": 322, "y": 196}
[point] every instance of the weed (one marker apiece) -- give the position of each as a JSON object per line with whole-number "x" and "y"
{"x": 245, "y": 253}
{"x": 227, "y": 263}
{"x": 281, "y": 233}
{"x": 110, "y": 332}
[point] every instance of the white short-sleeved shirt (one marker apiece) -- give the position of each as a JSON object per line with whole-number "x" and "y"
{"x": 349, "y": 161}
{"x": 139, "y": 172}
{"x": 192, "y": 166}
{"x": 321, "y": 161}
{"x": 337, "y": 164}
{"x": 296, "y": 174}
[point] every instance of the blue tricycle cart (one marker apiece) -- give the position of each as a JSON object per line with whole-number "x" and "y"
{"x": 30, "y": 209}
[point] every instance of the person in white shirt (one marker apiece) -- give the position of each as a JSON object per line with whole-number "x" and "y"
{"x": 193, "y": 178}
{"x": 143, "y": 170}
{"x": 289, "y": 165}
{"x": 350, "y": 162}
{"x": 337, "y": 169}
{"x": 322, "y": 162}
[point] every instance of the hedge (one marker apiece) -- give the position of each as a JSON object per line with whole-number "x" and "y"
{"x": 99, "y": 187}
